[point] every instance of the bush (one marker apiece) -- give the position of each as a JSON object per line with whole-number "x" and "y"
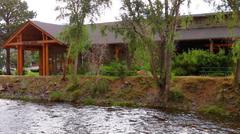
{"x": 116, "y": 69}
{"x": 214, "y": 110}
{"x": 56, "y": 96}
{"x": 176, "y": 95}
{"x": 97, "y": 88}
{"x": 75, "y": 95}
{"x": 191, "y": 62}
{"x": 89, "y": 101}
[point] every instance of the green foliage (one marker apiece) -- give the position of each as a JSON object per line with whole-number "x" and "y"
{"x": 56, "y": 96}
{"x": 77, "y": 38}
{"x": 236, "y": 51}
{"x": 31, "y": 73}
{"x": 72, "y": 87}
{"x": 191, "y": 62}
{"x": 214, "y": 110}
{"x": 186, "y": 21}
{"x": 176, "y": 95}
{"x": 89, "y": 101}
{"x": 12, "y": 14}
{"x": 119, "y": 69}
{"x": 75, "y": 95}
{"x": 141, "y": 59}
{"x": 97, "y": 88}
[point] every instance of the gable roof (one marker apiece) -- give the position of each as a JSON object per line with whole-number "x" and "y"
{"x": 37, "y": 26}
{"x": 53, "y": 29}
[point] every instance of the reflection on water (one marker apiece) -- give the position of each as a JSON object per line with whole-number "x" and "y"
{"x": 19, "y": 117}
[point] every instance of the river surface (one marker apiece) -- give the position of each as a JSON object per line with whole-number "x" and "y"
{"x": 18, "y": 117}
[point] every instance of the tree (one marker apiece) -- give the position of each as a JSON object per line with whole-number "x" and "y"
{"x": 230, "y": 15}
{"x": 12, "y": 14}
{"x": 77, "y": 11}
{"x": 141, "y": 22}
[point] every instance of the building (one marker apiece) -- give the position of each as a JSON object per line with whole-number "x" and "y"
{"x": 202, "y": 33}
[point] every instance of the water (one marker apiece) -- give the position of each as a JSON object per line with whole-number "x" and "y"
{"x": 18, "y": 117}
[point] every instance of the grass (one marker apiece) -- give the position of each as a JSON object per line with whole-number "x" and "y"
{"x": 56, "y": 96}
{"x": 33, "y": 74}
{"x": 133, "y": 91}
{"x": 214, "y": 110}
{"x": 89, "y": 101}
{"x": 97, "y": 88}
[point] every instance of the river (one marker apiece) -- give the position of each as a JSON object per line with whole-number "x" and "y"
{"x": 17, "y": 117}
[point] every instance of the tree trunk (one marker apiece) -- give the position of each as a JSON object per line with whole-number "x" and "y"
{"x": 76, "y": 65}
{"x": 167, "y": 75}
{"x": 237, "y": 75}
{"x": 8, "y": 62}
{"x": 162, "y": 59}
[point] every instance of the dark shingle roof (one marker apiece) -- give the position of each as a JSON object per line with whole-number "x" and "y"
{"x": 94, "y": 32}
{"x": 207, "y": 33}
{"x": 52, "y": 29}
{"x": 110, "y": 38}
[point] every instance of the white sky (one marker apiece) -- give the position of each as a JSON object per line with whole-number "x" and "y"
{"x": 45, "y": 10}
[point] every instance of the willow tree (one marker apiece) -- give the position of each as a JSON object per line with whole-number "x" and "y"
{"x": 230, "y": 16}
{"x": 12, "y": 14}
{"x": 145, "y": 20}
{"x": 78, "y": 11}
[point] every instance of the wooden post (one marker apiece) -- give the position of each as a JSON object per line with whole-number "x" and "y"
{"x": 20, "y": 60}
{"x": 20, "y": 56}
{"x": 45, "y": 56}
{"x": 117, "y": 51}
{"x": 43, "y": 60}
{"x": 40, "y": 62}
{"x": 47, "y": 59}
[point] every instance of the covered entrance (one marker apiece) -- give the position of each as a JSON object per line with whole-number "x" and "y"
{"x": 33, "y": 36}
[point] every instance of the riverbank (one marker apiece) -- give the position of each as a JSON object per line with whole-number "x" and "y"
{"x": 207, "y": 95}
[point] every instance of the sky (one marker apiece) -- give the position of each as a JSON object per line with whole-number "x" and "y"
{"x": 46, "y": 13}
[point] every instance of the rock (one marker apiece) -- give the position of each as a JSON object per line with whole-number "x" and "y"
{"x": 1, "y": 88}
{"x": 126, "y": 85}
{"x": 55, "y": 84}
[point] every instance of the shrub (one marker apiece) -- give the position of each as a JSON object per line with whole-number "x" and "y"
{"x": 75, "y": 95}
{"x": 214, "y": 110}
{"x": 176, "y": 95}
{"x": 98, "y": 87}
{"x": 56, "y": 96}
{"x": 191, "y": 62}
{"x": 89, "y": 101}
{"x": 116, "y": 69}
{"x": 72, "y": 87}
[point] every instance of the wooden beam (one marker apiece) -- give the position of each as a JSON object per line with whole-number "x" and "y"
{"x": 39, "y": 42}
